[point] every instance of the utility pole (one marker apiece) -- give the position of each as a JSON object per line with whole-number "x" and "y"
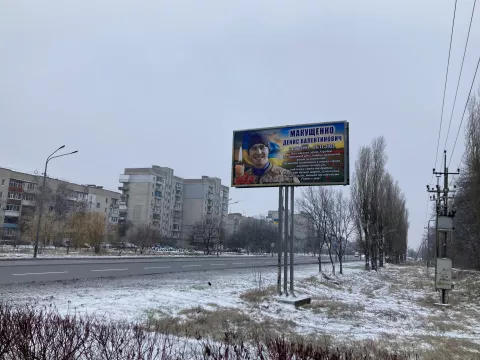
{"x": 443, "y": 224}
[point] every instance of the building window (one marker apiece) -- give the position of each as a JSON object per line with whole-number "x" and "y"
{"x": 1, "y": 194}
{"x": 106, "y": 201}
{"x": 15, "y": 196}
{"x": 3, "y": 181}
{"x": 98, "y": 205}
{"x": 30, "y": 186}
{"x": 114, "y": 219}
{"x": 12, "y": 207}
{"x": 15, "y": 183}
{"x": 8, "y": 231}
{"x": 28, "y": 197}
{"x": 105, "y": 209}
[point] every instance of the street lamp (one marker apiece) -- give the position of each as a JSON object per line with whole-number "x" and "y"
{"x": 35, "y": 250}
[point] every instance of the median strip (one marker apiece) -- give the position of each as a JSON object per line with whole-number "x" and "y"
{"x": 157, "y": 267}
{"x": 42, "y": 273}
{"x": 238, "y": 263}
{"x": 218, "y": 264}
{"x": 110, "y": 270}
{"x": 186, "y": 266}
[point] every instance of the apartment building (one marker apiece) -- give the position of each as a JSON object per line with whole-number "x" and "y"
{"x": 233, "y": 222}
{"x": 155, "y": 196}
{"x": 203, "y": 198}
{"x": 19, "y": 192}
{"x": 152, "y": 196}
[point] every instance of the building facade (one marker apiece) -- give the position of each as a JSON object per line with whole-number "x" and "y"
{"x": 152, "y": 196}
{"x": 156, "y": 197}
{"x": 203, "y": 198}
{"x": 19, "y": 195}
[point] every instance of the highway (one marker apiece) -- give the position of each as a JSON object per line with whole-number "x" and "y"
{"x": 42, "y": 270}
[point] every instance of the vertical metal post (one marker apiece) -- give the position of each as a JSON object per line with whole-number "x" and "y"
{"x": 292, "y": 207}
{"x": 40, "y": 208}
{"x": 285, "y": 244}
{"x": 279, "y": 239}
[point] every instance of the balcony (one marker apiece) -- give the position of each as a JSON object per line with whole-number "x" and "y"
{"x": 123, "y": 188}
{"x": 10, "y": 226}
{"x": 29, "y": 191}
{"x": 28, "y": 202}
{"x": 124, "y": 179}
{"x": 210, "y": 195}
{"x": 177, "y": 207}
{"x": 158, "y": 194}
{"x": 12, "y": 213}
{"x": 176, "y": 220}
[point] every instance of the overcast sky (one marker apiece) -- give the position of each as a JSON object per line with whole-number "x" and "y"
{"x": 137, "y": 83}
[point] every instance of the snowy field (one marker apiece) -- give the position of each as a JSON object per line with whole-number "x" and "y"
{"x": 395, "y": 307}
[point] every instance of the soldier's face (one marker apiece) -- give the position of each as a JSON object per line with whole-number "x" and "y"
{"x": 259, "y": 155}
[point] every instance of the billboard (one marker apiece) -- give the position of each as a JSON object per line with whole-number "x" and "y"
{"x": 292, "y": 155}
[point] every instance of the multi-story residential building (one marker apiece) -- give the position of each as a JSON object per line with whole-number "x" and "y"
{"x": 233, "y": 223}
{"x": 19, "y": 192}
{"x": 203, "y": 198}
{"x": 155, "y": 196}
{"x": 152, "y": 196}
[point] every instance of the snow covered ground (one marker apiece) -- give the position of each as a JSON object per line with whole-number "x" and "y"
{"x": 394, "y": 306}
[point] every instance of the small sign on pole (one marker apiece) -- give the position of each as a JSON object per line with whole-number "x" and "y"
{"x": 443, "y": 279}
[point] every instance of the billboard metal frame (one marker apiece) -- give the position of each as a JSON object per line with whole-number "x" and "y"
{"x": 346, "y": 155}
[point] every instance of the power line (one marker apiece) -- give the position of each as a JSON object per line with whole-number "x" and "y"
{"x": 464, "y": 110}
{"x": 446, "y": 80}
{"x": 460, "y": 75}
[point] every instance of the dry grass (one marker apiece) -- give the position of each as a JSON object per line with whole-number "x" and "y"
{"x": 258, "y": 295}
{"x": 221, "y": 324}
{"x": 336, "y": 309}
{"x": 446, "y": 348}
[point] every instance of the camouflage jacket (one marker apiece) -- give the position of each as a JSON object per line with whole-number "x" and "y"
{"x": 275, "y": 175}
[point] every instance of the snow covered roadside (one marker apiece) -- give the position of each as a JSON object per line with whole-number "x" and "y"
{"x": 392, "y": 306}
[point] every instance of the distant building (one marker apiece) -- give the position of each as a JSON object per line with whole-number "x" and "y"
{"x": 155, "y": 196}
{"x": 205, "y": 197}
{"x": 233, "y": 222}
{"x": 19, "y": 195}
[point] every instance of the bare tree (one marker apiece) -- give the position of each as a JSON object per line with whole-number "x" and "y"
{"x": 207, "y": 231}
{"x": 361, "y": 192}
{"x": 144, "y": 236}
{"x": 311, "y": 205}
{"x": 94, "y": 228}
{"x": 339, "y": 222}
{"x": 465, "y": 244}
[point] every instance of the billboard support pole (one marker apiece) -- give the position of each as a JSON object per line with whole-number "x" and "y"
{"x": 279, "y": 239}
{"x": 292, "y": 206}
{"x": 285, "y": 244}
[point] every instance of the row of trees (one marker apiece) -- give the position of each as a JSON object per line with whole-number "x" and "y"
{"x": 254, "y": 234}
{"x": 379, "y": 212}
{"x": 375, "y": 213}
{"x": 464, "y": 243}
{"x": 71, "y": 224}
{"x": 65, "y": 222}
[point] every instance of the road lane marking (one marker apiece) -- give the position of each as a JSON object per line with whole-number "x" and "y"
{"x": 185, "y": 266}
{"x": 157, "y": 267}
{"x": 238, "y": 263}
{"x": 218, "y": 264}
{"x": 42, "y": 273}
{"x": 111, "y": 269}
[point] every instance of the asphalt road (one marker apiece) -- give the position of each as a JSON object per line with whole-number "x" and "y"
{"x": 23, "y": 271}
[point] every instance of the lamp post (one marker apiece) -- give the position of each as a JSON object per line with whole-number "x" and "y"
{"x": 35, "y": 250}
